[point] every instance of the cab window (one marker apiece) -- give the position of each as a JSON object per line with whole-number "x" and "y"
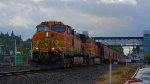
{"x": 60, "y": 29}
{"x": 88, "y": 41}
{"x": 42, "y": 28}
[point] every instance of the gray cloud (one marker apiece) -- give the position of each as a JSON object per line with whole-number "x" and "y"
{"x": 100, "y": 17}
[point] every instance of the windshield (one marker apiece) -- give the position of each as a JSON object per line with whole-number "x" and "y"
{"x": 58, "y": 28}
{"x": 42, "y": 28}
{"x": 88, "y": 41}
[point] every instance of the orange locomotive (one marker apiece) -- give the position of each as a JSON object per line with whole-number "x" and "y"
{"x": 92, "y": 51}
{"x": 51, "y": 42}
{"x": 57, "y": 45}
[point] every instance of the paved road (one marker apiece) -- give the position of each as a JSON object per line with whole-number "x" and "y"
{"x": 144, "y": 74}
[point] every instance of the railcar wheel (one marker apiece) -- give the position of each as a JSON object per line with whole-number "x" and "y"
{"x": 68, "y": 63}
{"x": 65, "y": 63}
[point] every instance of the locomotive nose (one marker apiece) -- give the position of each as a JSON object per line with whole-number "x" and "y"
{"x": 48, "y": 41}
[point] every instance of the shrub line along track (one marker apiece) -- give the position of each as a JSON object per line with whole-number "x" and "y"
{"x": 24, "y": 72}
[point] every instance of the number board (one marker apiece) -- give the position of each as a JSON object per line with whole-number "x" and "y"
{"x": 45, "y": 23}
{"x": 57, "y": 23}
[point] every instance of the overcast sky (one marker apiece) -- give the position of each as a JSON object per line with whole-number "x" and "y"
{"x": 99, "y": 17}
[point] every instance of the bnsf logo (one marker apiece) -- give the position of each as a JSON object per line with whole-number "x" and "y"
{"x": 48, "y": 42}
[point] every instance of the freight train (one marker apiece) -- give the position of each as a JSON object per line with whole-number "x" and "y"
{"x": 58, "y": 45}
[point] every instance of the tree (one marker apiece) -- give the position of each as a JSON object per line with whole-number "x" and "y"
{"x": 135, "y": 49}
{"x": 12, "y": 34}
{"x": 2, "y": 34}
{"x": 0, "y": 39}
{"x": 7, "y": 35}
{"x": 147, "y": 57}
{"x": 8, "y": 42}
{"x": 118, "y": 48}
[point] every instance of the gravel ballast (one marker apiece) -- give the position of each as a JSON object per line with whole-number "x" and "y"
{"x": 87, "y": 75}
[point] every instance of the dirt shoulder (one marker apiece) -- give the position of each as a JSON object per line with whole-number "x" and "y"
{"x": 119, "y": 75}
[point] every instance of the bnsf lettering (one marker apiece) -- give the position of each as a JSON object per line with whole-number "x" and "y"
{"x": 48, "y": 42}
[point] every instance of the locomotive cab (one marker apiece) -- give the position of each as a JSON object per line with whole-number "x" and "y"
{"x": 53, "y": 43}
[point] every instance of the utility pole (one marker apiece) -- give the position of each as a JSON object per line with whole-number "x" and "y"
{"x": 110, "y": 68}
{"x": 30, "y": 55}
{"x": 15, "y": 52}
{"x": 31, "y": 50}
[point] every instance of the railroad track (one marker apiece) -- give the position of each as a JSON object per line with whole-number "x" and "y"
{"x": 24, "y": 72}
{"x": 16, "y": 73}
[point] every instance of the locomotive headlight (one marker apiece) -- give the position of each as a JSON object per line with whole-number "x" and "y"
{"x": 53, "y": 48}
{"x": 47, "y": 34}
{"x": 37, "y": 48}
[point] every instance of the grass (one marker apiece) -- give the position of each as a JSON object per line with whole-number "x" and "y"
{"x": 119, "y": 75}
